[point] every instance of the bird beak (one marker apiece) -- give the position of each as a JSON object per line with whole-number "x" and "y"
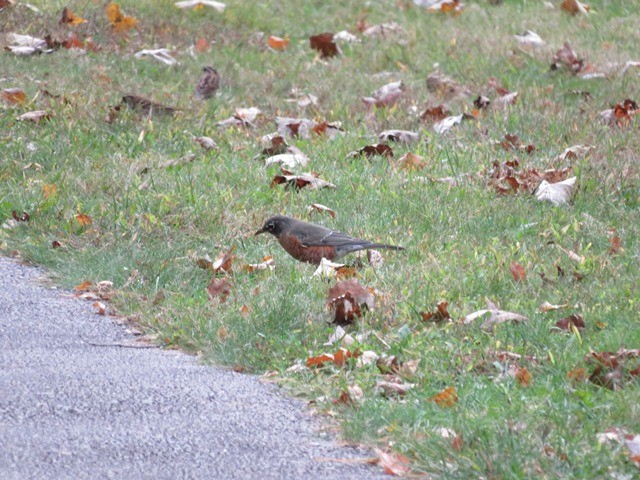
{"x": 262, "y": 230}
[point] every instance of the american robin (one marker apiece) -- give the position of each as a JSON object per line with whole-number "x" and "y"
{"x": 311, "y": 243}
{"x": 208, "y": 84}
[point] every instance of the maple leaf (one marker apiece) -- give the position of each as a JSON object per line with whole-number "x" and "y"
{"x": 347, "y": 299}
{"x": 324, "y": 43}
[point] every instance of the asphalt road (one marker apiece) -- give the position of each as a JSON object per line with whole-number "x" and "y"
{"x": 71, "y": 410}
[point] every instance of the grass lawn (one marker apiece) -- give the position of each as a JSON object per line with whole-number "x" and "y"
{"x": 102, "y": 192}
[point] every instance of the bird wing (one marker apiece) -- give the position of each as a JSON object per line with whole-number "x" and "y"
{"x": 332, "y": 238}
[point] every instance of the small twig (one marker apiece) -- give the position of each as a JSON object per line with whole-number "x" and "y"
{"x": 115, "y": 344}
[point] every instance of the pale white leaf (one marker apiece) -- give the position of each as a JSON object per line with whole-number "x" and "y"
{"x": 557, "y": 193}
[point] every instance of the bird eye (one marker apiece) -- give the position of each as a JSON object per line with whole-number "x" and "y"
{"x": 271, "y": 225}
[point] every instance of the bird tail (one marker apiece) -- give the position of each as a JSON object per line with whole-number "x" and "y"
{"x": 384, "y": 245}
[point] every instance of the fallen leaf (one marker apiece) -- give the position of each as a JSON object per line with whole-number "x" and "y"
{"x": 288, "y": 160}
{"x": 400, "y": 136}
{"x": 206, "y": 143}
{"x": 411, "y": 161}
{"x": 223, "y": 262}
{"x": 445, "y": 86}
{"x": 446, "y": 398}
{"x": 386, "y": 96}
{"x": 20, "y": 217}
{"x": 242, "y": 117}
{"x": 302, "y": 180}
{"x": 119, "y": 22}
{"x": 83, "y": 219}
{"x": 384, "y": 30}
{"x": 268, "y": 263}
{"x": 616, "y": 245}
{"x": 523, "y": 377}
{"x": 348, "y": 299}
{"x": 317, "y": 207}
{"x": 575, "y": 152}
{"x": 393, "y": 463}
{"x": 195, "y": 4}
{"x": 529, "y": 39}
{"x": 85, "y": 286}
{"x": 568, "y": 58}
{"x": 324, "y": 43}
{"x": 219, "y": 289}
{"x": 517, "y": 271}
{"x": 496, "y": 316}
{"x": 35, "y": 116}
{"x": 375, "y": 258}
{"x": 161, "y": 54}
{"x": 557, "y": 193}
{"x": 444, "y": 125}
{"x": 372, "y": 150}
{"x": 435, "y": 114}
{"x": 351, "y": 396}
{"x": 571, "y": 322}
{"x": 574, "y": 7}
{"x": 14, "y": 96}
{"x": 278, "y": 43}
{"x": 70, "y": 18}
{"x": 453, "y": 7}
{"x": 49, "y": 190}
{"x": 391, "y": 389}
{"x": 439, "y": 315}
{"x": 338, "y": 358}
{"x": 101, "y": 308}
{"x": 548, "y": 307}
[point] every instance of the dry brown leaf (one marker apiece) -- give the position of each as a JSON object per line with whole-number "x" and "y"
{"x": 302, "y": 180}
{"x": 14, "y": 96}
{"x": 207, "y": 143}
{"x": 324, "y": 43}
{"x": 35, "y": 116}
{"x": 83, "y": 219}
{"x": 85, "y": 286}
{"x": 574, "y": 7}
{"x": 317, "y": 207}
{"x": 548, "y": 307}
{"x": 393, "y": 463}
{"x": 523, "y": 377}
{"x": 571, "y": 322}
{"x": 393, "y": 388}
{"x": 348, "y": 299}
{"x": 372, "y": 150}
{"x": 517, "y": 271}
{"x": 338, "y": 358}
{"x": 219, "y": 289}
{"x": 439, "y": 315}
{"x": 411, "y": 161}
{"x": 568, "y": 58}
{"x": 268, "y": 263}
{"x": 223, "y": 262}
{"x": 386, "y": 96}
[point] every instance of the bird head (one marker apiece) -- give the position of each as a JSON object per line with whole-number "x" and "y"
{"x": 275, "y": 225}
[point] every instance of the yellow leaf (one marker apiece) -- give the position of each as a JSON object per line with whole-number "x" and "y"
{"x": 70, "y": 18}
{"x": 49, "y": 190}
{"x": 119, "y": 22}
